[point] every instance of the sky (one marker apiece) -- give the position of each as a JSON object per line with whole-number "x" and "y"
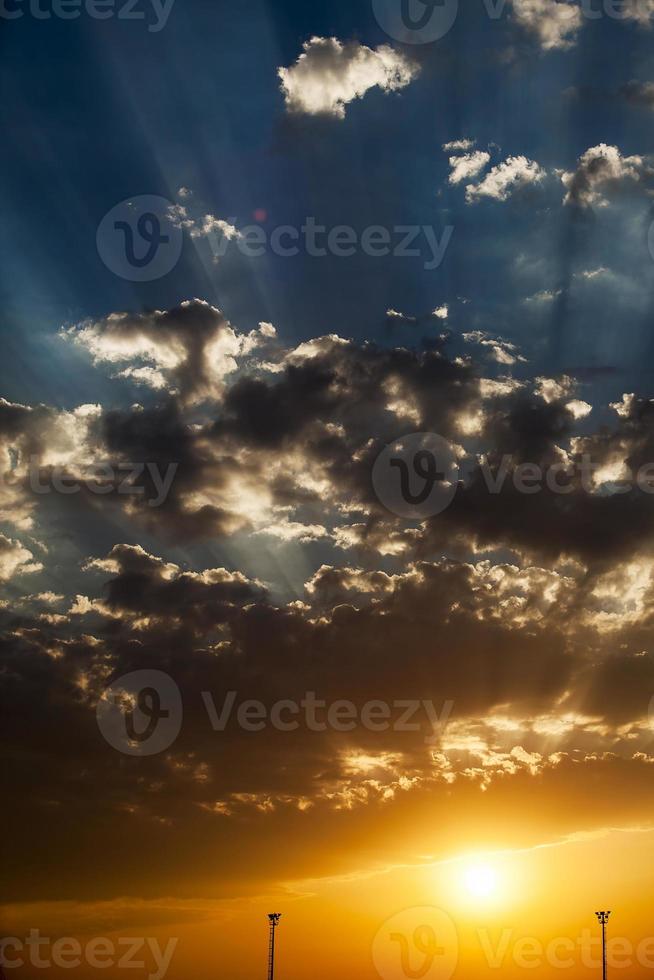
{"x": 327, "y": 486}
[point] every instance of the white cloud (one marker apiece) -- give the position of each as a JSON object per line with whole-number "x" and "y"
{"x": 625, "y": 407}
{"x": 553, "y": 24}
{"x": 393, "y": 314}
{"x": 458, "y": 146}
{"x": 468, "y": 166}
{"x": 597, "y": 169}
{"x": 639, "y": 11}
{"x": 501, "y": 351}
{"x": 189, "y": 349}
{"x": 544, "y": 296}
{"x": 506, "y": 178}
{"x": 212, "y": 225}
{"x": 287, "y": 530}
{"x": 329, "y": 74}
{"x": 15, "y": 559}
{"x": 201, "y": 227}
{"x": 36, "y": 437}
{"x": 590, "y": 274}
{"x": 579, "y": 409}
{"x": 551, "y": 389}
{"x": 498, "y": 387}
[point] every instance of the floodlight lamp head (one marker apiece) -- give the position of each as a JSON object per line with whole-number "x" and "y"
{"x": 274, "y": 917}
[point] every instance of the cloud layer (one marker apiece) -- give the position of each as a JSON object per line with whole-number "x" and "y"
{"x": 535, "y": 628}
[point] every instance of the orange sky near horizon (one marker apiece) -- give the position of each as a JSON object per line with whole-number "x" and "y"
{"x": 511, "y": 913}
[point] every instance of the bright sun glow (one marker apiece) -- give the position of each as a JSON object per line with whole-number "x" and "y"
{"x": 480, "y": 881}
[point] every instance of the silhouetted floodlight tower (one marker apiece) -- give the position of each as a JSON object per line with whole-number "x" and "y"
{"x": 274, "y": 918}
{"x": 603, "y": 917}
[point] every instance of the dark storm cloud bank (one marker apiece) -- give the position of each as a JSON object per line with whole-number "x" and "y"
{"x": 491, "y": 638}
{"x": 597, "y": 527}
{"x": 281, "y": 444}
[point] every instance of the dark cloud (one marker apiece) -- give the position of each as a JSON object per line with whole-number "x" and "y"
{"x": 283, "y": 447}
{"x": 491, "y": 638}
{"x": 639, "y": 93}
{"x": 601, "y": 172}
{"x": 188, "y": 349}
{"x": 288, "y": 448}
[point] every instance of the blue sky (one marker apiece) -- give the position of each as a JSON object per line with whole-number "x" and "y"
{"x": 103, "y": 110}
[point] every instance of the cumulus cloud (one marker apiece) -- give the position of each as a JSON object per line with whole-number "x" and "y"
{"x": 639, "y": 11}
{"x": 467, "y": 166}
{"x": 553, "y": 23}
{"x": 505, "y": 179}
{"x": 502, "y": 351}
{"x": 599, "y": 172}
{"x": 392, "y": 314}
{"x": 329, "y": 74}
{"x": 189, "y": 349}
{"x": 459, "y": 146}
{"x": 200, "y": 599}
{"x": 287, "y": 448}
{"x": 580, "y": 409}
{"x": 204, "y": 226}
{"x": 15, "y": 559}
{"x": 35, "y": 439}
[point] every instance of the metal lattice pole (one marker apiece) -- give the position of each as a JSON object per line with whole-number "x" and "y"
{"x": 603, "y": 918}
{"x": 274, "y": 918}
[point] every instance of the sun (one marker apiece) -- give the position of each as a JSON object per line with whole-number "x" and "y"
{"x": 480, "y": 881}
